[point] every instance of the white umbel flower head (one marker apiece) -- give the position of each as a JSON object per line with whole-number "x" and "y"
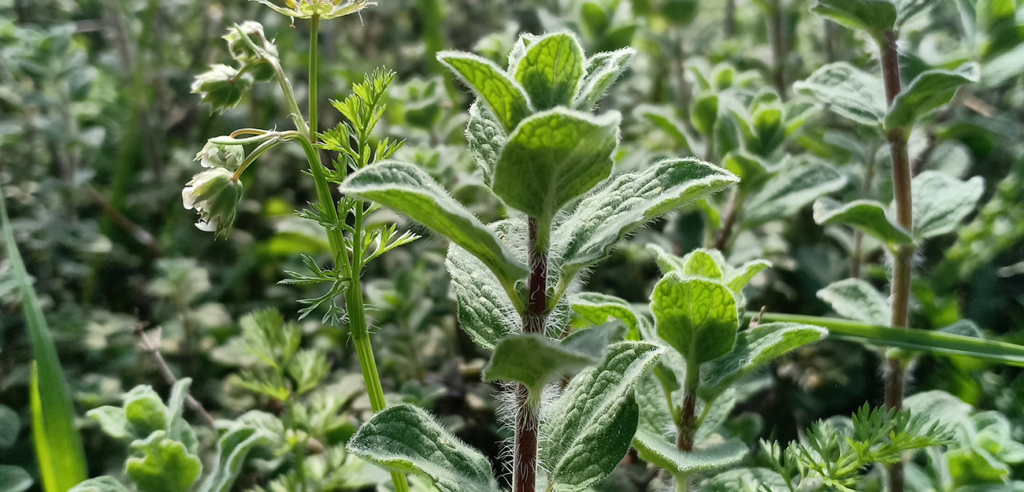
{"x": 215, "y": 195}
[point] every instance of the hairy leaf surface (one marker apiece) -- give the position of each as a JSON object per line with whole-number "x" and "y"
{"x": 505, "y": 98}
{"x": 856, "y": 299}
{"x": 941, "y": 202}
{"x": 165, "y": 465}
{"x": 866, "y": 215}
{"x": 656, "y": 449}
{"x": 485, "y": 312}
{"x": 696, "y": 316}
{"x": 601, "y": 71}
{"x": 931, "y": 89}
{"x": 791, "y": 190}
{"x": 551, "y": 70}
{"x": 849, "y": 91}
{"x": 871, "y": 16}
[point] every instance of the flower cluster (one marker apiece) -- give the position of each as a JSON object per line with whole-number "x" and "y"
{"x": 324, "y": 9}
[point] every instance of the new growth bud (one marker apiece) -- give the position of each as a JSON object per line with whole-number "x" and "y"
{"x": 215, "y": 195}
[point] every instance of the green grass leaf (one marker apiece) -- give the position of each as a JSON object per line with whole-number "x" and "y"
{"x": 656, "y": 449}
{"x": 931, "y": 89}
{"x": 165, "y": 465}
{"x": 553, "y": 157}
{"x": 848, "y": 91}
{"x": 858, "y": 300}
{"x": 58, "y": 443}
{"x": 406, "y": 439}
{"x": 871, "y": 16}
{"x": 551, "y": 70}
{"x": 695, "y": 316}
{"x": 754, "y": 348}
{"x": 866, "y": 215}
{"x": 504, "y": 97}
{"x": 629, "y": 201}
{"x": 941, "y": 202}
{"x": 591, "y": 425}
{"x": 790, "y": 191}
{"x": 601, "y": 71}
{"x": 409, "y": 190}
{"x": 485, "y": 312}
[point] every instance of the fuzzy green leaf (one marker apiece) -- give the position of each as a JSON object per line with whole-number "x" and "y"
{"x": 602, "y": 308}
{"x": 746, "y": 480}
{"x": 703, "y": 263}
{"x": 484, "y": 139}
{"x": 100, "y": 484}
{"x": 665, "y": 119}
{"x": 553, "y": 157}
{"x": 791, "y": 190}
{"x": 591, "y": 425}
{"x": 754, "y": 347}
{"x": 406, "y": 439}
{"x": 145, "y": 411}
{"x": 601, "y": 71}
{"x": 165, "y": 465}
{"x": 628, "y": 202}
{"x": 409, "y": 190}
{"x": 505, "y": 98}
{"x": 177, "y": 428}
{"x": 941, "y": 202}
{"x": 232, "y": 448}
{"x": 113, "y": 422}
{"x": 696, "y": 316}
{"x": 847, "y": 90}
{"x": 738, "y": 278}
{"x": 534, "y": 359}
{"x": 866, "y": 215}
{"x": 871, "y": 16}
{"x": 931, "y": 89}
{"x": 907, "y": 9}
{"x": 14, "y": 479}
{"x": 485, "y": 312}
{"x": 10, "y": 426}
{"x": 856, "y": 299}
{"x": 656, "y": 449}
{"x": 551, "y": 70}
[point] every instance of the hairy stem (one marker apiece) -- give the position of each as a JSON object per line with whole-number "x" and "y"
{"x": 688, "y": 421}
{"x": 904, "y": 254}
{"x": 524, "y": 460}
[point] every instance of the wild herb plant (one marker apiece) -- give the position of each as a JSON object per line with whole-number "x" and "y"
{"x": 927, "y": 205}
{"x": 353, "y": 242}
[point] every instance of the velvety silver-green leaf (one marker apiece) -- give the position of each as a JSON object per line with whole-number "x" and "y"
{"x": 942, "y": 202}
{"x": 602, "y": 308}
{"x": 534, "y": 359}
{"x": 145, "y": 410}
{"x": 100, "y": 484}
{"x": 667, "y": 262}
{"x": 601, "y": 71}
{"x": 754, "y": 348}
{"x": 484, "y": 139}
{"x": 504, "y": 97}
{"x": 551, "y": 70}
{"x": 14, "y": 479}
{"x": 591, "y": 425}
{"x": 113, "y": 422}
{"x": 405, "y": 438}
{"x": 856, "y": 299}
{"x": 10, "y": 426}
{"x": 792, "y": 190}
{"x": 738, "y": 278}
{"x": 628, "y": 202}
{"x": 165, "y": 465}
{"x": 847, "y": 90}
{"x": 485, "y": 312}
{"x": 931, "y": 89}
{"x": 746, "y": 480}
{"x": 866, "y": 215}
{"x": 872, "y": 16}
{"x": 656, "y": 449}
{"x": 409, "y": 190}
{"x": 907, "y": 9}
{"x": 177, "y": 428}
{"x": 553, "y": 157}
{"x": 665, "y": 119}
{"x": 232, "y": 448}
{"x": 696, "y": 316}
{"x": 655, "y": 414}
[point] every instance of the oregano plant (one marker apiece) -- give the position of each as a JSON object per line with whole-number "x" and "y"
{"x": 551, "y": 161}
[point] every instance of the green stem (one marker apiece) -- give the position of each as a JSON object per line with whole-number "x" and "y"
{"x": 314, "y": 38}
{"x": 300, "y": 451}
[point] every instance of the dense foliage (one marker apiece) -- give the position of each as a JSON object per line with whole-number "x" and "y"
{"x": 527, "y": 245}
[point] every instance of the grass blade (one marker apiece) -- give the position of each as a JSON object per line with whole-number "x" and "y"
{"x": 931, "y": 342}
{"x": 58, "y": 444}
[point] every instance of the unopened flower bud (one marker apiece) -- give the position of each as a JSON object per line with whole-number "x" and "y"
{"x": 222, "y": 86}
{"x": 215, "y": 195}
{"x": 219, "y": 155}
{"x": 242, "y": 52}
